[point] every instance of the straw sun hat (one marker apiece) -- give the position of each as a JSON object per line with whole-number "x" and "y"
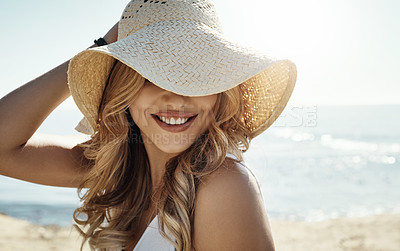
{"x": 178, "y": 45}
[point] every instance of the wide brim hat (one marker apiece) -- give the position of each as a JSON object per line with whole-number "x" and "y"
{"x": 178, "y": 45}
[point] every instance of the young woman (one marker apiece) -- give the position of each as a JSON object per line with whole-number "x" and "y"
{"x": 171, "y": 106}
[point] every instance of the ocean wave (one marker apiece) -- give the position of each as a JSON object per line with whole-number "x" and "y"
{"x": 327, "y": 140}
{"x": 317, "y": 215}
{"x": 334, "y": 142}
{"x": 293, "y": 135}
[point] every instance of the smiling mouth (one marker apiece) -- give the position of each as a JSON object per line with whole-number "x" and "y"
{"x": 174, "y": 121}
{"x": 174, "y": 124}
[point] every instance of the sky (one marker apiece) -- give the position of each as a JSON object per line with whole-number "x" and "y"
{"x": 346, "y": 51}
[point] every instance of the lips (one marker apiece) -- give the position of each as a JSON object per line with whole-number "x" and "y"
{"x": 158, "y": 117}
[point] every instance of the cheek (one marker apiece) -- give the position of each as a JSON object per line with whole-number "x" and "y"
{"x": 140, "y": 104}
{"x": 137, "y": 109}
{"x": 213, "y": 99}
{"x": 208, "y": 103}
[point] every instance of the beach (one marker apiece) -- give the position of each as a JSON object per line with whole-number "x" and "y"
{"x": 371, "y": 233}
{"x": 20, "y": 235}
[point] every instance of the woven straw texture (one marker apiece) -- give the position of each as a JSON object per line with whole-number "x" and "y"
{"x": 178, "y": 46}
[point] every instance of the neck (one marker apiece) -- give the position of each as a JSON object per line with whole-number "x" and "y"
{"x": 157, "y": 161}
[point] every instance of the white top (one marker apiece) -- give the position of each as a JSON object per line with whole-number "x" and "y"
{"x": 152, "y": 238}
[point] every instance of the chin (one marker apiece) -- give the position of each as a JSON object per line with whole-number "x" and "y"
{"x": 173, "y": 148}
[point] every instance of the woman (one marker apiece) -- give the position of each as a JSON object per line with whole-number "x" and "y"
{"x": 170, "y": 105}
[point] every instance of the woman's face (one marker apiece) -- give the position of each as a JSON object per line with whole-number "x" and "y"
{"x": 169, "y": 121}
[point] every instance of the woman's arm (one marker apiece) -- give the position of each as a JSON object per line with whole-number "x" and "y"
{"x": 22, "y": 111}
{"x": 229, "y": 213}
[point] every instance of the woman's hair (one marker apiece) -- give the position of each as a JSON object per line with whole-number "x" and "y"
{"x": 118, "y": 182}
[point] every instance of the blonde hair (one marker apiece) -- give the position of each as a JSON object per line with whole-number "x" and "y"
{"x": 119, "y": 181}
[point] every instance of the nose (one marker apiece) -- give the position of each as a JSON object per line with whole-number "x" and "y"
{"x": 174, "y": 101}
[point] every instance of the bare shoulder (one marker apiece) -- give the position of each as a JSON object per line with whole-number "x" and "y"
{"x": 229, "y": 213}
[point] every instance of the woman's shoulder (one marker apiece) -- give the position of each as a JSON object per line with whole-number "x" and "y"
{"x": 232, "y": 181}
{"x": 231, "y": 176}
{"x": 229, "y": 211}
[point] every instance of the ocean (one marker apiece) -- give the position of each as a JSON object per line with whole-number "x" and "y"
{"x": 315, "y": 163}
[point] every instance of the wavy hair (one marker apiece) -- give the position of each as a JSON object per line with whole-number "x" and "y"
{"x": 118, "y": 182}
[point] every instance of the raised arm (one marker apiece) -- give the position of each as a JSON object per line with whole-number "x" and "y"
{"x": 39, "y": 160}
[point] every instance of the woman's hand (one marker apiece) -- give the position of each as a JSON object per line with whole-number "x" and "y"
{"x": 111, "y": 36}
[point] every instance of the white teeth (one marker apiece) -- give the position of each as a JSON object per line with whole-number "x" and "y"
{"x": 172, "y": 121}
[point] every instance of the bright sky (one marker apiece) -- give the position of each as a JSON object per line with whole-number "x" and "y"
{"x": 346, "y": 51}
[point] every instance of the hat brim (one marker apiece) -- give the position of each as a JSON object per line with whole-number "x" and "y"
{"x": 186, "y": 58}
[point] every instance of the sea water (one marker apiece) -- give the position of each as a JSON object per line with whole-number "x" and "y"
{"x": 314, "y": 163}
